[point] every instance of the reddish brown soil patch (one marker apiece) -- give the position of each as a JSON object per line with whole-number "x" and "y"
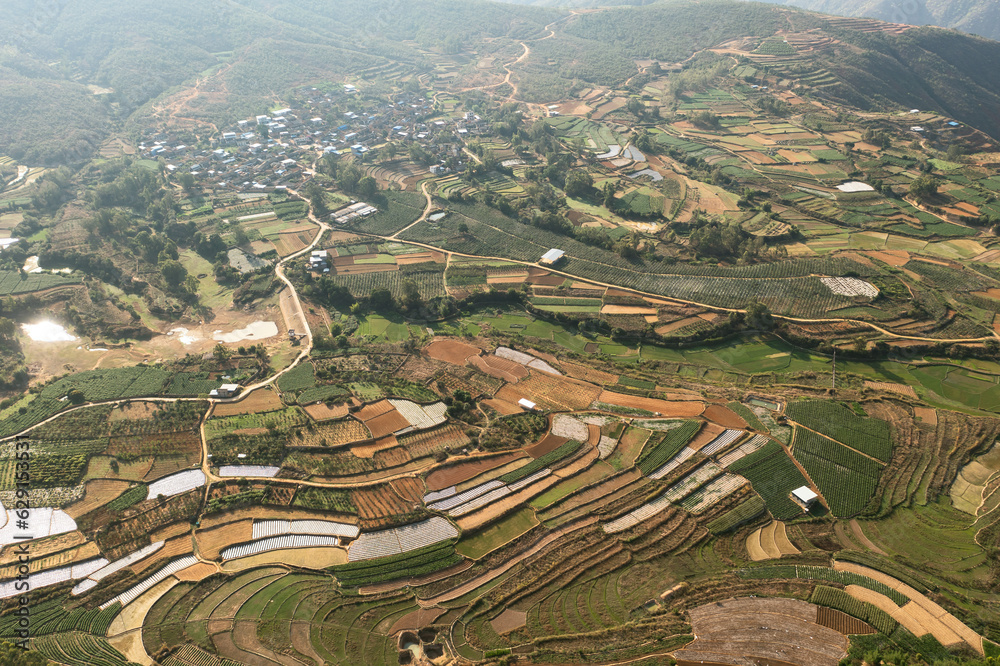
{"x": 368, "y": 412}
{"x": 387, "y": 424}
{"x": 418, "y": 619}
{"x": 323, "y": 412}
{"x": 379, "y": 502}
{"x": 451, "y": 351}
{"x": 509, "y": 371}
{"x": 261, "y": 400}
{"x": 409, "y": 488}
{"x": 725, "y": 417}
{"x": 926, "y": 414}
{"x": 588, "y": 374}
{"x": 892, "y": 387}
{"x": 508, "y": 621}
{"x": 196, "y": 572}
{"x": 455, "y": 474}
{"x": 544, "y": 278}
{"x": 369, "y": 450}
{"x": 684, "y": 408}
{"x": 502, "y": 406}
{"x": 891, "y": 257}
{"x": 707, "y": 433}
{"x": 594, "y": 432}
{"x": 548, "y": 443}
{"x": 96, "y": 493}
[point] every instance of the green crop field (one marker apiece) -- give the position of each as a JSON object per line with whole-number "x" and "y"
{"x": 846, "y": 478}
{"x": 773, "y": 476}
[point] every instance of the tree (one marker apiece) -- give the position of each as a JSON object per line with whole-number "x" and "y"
{"x": 367, "y": 187}
{"x": 221, "y": 353}
{"x": 579, "y": 184}
{"x": 7, "y": 328}
{"x": 174, "y": 273}
{"x": 75, "y": 396}
{"x": 758, "y": 316}
{"x": 924, "y": 187}
{"x": 316, "y": 200}
{"x": 411, "y": 294}
{"x": 381, "y": 299}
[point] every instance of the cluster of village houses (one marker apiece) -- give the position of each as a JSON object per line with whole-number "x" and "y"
{"x": 276, "y": 151}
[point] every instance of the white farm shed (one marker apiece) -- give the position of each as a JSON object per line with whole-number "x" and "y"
{"x": 552, "y": 256}
{"x": 804, "y": 497}
{"x": 527, "y": 404}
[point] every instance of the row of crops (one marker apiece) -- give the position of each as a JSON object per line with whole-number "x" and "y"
{"x": 835, "y": 598}
{"x": 773, "y": 476}
{"x": 14, "y": 282}
{"x": 837, "y": 421}
{"x": 748, "y": 510}
{"x": 52, "y": 617}
{"x": 95, "y": 385}
{"x": 76, "y": 649}
{"x": 413, "y": 563}
{"x": 430, "y": 283}
{"x": 846, "y": 478}
{"x": 825, "y": 574}
{"x": 538, "y": 464}
{"x": 803, "y": 296}
{"x": 661, "y": 448}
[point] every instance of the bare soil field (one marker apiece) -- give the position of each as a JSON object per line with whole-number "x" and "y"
{"x": 261, "y": 400}
{"x": 211, "y": 541}
{"x": 680, "y": 409}
{"x": 725, "y": 417}
{"x": 418, "y": 619}
{"x": 134, "y": 411}
{"x": 511, "y": 375}
{"x": 311, "y": 558}
{"x": 508, "y": 621}
{"x": 547, "y": 444}
{"x": 504, "y": 407}
{"x": 926, "y": 414}
{"x": 455, "y": 474}
{"x": 921, "y": 612}
{"x": 409, "y": 488}
{"x": 892, "y": 387}
{"x": 762, "y": 631}
{"x": 96, "y": 493}
{"x": 322, "y": 412}
{"x": 373, "y": 410}
{"x": 196, "y": 572}
{"x": 676, "y": 325}
{"x": 546, "y": 390}
{"x": 627, "y": 310}
{"x": 379, "y": 502}
{"x": 589, "y": 374}
{"x": 369, "y": 450}
{"x": 707, "y": 433}
{"x": 451, "y": 351}
{"x": 387, "y": 423}
{"x": 506, "y": 365}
